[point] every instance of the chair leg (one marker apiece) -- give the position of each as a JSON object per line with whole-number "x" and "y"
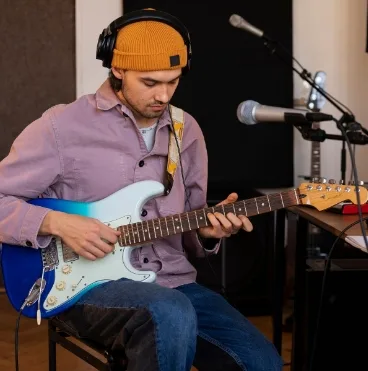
{"x": 52, "y": 348}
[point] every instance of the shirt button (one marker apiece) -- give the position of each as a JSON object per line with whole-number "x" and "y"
{"x": 141, "y": 163}
{"x": 144, "y": 212}
{"x": 145, "y": 260}
{"x": 29, "y": 243}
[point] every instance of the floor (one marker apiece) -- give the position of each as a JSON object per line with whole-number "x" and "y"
{"x": 33, "y": 351}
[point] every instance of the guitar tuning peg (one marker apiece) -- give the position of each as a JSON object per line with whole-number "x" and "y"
{"x": 341, "y": 182}
{"x": 323, "y": 180}
{"x": 332, "y": 181}
{"x": 315, "y": 180}
{"x": 351, "y": 182}
{"x": 361, "y": 182}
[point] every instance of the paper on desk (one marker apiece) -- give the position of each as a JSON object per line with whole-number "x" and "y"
{"x": 356, "y": 241}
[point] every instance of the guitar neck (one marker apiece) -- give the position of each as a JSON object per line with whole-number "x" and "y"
{"x": 145, "y": 231}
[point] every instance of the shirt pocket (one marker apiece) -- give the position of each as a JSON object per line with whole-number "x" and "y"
{"x": 100, "y": 176}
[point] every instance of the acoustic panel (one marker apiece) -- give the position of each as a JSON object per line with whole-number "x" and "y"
{"x": 37, "y": 66}
{"x": 230, "y": 66}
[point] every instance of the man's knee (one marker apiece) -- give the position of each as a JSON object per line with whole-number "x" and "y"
{"x": 174, "y": 312}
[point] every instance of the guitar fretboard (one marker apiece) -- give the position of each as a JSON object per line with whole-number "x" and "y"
{"x": 145, "y": 231}
{"x": 316, "y": 157}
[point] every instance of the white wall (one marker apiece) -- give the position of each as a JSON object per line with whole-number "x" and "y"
{"x": 330, "y": 35}
{"x": 92, "y": 16}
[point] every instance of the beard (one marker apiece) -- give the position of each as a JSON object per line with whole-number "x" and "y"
{"x": 144, "y": 112}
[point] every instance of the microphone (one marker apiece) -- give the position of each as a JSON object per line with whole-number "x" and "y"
{"x": 237, "y": 21}
{"x": 251, "y": 113}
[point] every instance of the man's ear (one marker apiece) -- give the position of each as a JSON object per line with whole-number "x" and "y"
{"x": 119, "y": 74}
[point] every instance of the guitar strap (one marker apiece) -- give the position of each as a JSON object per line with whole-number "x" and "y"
{"x": 177, "y": 116}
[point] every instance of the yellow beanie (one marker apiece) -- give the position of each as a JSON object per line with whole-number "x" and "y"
{"x": 149, "y": 46}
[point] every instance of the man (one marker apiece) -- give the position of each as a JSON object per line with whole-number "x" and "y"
{"x": 89, "y": 149}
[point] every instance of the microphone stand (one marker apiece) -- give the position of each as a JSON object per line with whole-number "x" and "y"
{"x": 346, "y": 121}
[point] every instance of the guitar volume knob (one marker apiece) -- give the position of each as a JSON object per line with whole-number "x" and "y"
{"x": 60, "y": 285}
{"x": 51, "y": 300}
{"x": 66, "y": 269}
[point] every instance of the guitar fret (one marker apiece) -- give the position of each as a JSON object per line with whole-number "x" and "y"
{"x": 195, "y": 213}
{"x": 181, "y": 225}
{"x": 120, "y": 239}
{"x": 190, "y": 227}
{"x": 167, "y": 228}
{"x": 204, "y": 216}
{"x": 128, "y": 233}
{"x": 282, "y": 200}
{"x": 131, "y": 231}
{"x": 234, "y": 209}
{"x": 269, "y": 205}
{"x": 140, "y": 229}
{"x": 245, "y": 208}
{"x": 149, "y": 234}
{"x": 174, "y": 227}
{"x": 159, "y": 225}
{"x": 257, "y": 206}
{"x": 123, "y": 234}
{"x": 153, "y": 227}
{"x": 137, "y": 232}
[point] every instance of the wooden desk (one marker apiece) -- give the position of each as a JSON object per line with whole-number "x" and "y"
{"x": 330, "y": 222}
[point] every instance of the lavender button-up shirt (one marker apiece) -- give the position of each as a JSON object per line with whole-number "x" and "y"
{"x": 89, "y": 149}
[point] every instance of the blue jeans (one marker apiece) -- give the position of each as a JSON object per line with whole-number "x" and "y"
{"x": 164, "y": 329}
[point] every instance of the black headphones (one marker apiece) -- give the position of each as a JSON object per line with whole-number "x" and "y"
{"x": 106, "y": 40}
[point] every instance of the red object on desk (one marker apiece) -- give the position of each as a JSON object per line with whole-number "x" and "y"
{"x": 353, "y": 209}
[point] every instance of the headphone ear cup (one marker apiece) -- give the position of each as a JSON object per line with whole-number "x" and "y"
{"x": 100, "y": 47}
{"x": 109, "y": 49}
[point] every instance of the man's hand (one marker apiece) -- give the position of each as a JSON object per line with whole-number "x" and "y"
{"x": 88, "y": 237}
{"x": 224, "y": 226}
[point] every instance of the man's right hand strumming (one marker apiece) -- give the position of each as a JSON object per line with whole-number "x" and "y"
{"x": 88, "y": 237}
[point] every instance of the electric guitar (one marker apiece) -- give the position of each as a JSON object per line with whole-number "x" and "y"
{"x": 46, "y": 282}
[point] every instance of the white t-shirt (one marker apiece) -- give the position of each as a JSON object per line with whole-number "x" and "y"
{"x": 149, "y": 136}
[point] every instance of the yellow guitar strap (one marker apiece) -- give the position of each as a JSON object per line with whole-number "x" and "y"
{"x": 177, "y": 116}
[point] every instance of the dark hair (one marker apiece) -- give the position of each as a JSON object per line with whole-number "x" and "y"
{"x": 115, "y": 83}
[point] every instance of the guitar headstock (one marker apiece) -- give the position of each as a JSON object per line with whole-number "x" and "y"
{"x": 316, "y": 100}
{"x": 322, "y": 194}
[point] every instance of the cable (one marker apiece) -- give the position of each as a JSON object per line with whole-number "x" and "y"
{"x": 188, "y": 201}
{"x": 328, "y": 263}
{"x": 327, "y": 267}
{"x": 356, "y": 181}
{"x": 16, "y": 342}
{"x": 351, "y": 172}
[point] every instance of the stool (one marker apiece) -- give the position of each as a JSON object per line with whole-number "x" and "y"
{"x": 59, "y": 334}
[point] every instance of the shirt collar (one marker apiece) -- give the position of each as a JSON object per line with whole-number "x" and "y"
{"x": 106, "y": 97}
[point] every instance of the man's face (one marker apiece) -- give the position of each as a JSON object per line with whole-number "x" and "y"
{"x": 147, "y": 94}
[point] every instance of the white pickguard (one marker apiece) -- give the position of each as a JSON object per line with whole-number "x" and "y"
{"x": 121, "y": 208}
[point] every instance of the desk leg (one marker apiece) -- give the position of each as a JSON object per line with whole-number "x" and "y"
{"x": 278, "y": 277}
{"x": 298, "y": 357}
